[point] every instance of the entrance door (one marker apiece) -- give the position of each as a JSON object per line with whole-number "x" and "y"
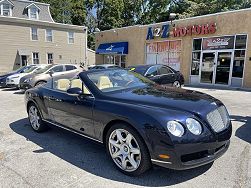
{"x": 216, "y": 67}
{"x": 223, "y": 68}
{"x": 23, "y": 60}
{"x": 207, "y": 67}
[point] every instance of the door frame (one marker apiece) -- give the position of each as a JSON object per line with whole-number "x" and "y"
{"x": 215, "y": 66}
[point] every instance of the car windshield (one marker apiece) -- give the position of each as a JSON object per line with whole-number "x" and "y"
{"x": 30, "y": 69}
{"x": 116, "y": 80}
{"x": 140, "y": 69}
{"x": 23, "y": 69}
{"x": 42, "y": 70}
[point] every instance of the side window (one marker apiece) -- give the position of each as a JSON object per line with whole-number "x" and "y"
{"x": 152, "y": 71}
{"x": 59, "y": 68}
{"x": 164, "y": 70}
{"x": 69, "y": 67}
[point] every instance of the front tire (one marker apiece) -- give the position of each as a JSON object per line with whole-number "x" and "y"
{"x": 176, "y": 84}
{"x": 127, "y": 150}
{"x": 35, "y": 119}
{"x": 40, "y": 83}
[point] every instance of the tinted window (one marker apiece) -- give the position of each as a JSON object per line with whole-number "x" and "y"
{"x": 58, "y": 69}
{"x": 152, "y": 71}
{"x": 164, "y": 70}
{"x": 140, "y": 69}
{"x": 197, "y": 44}
{"x": 69, "y": 67}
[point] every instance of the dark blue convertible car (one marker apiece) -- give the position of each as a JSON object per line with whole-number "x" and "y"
{"x": 140, "y": 123}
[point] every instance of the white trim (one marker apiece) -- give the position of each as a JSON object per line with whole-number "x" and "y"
{"x": 88, "y": 49}
{"x": 31, "y": 33}
{"x": 47, "y": 59}
{"x": 41, "y": 23}
{"x": 33, "y": 58}
{"x": 37, "y": 12}
{"x": 32, "y": 4}
{"x": 2, "y": 1}
{"x": 73, "y": 131}
{"x": 52, "y": 38}
{"x": 68, "y": 34}
{"x": 49, "y": 10}
{"x": 158, "y": 161}
{"x": 27, "y": 1}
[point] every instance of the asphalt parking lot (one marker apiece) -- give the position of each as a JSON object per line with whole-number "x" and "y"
{"x": 60, "y": 159}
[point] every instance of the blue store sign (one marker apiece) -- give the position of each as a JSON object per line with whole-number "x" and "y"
{"x": 154, "y": 32}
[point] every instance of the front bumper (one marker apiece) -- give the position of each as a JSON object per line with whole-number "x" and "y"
{"x": 24, "y": 86}
{"x": 191, "y": 155}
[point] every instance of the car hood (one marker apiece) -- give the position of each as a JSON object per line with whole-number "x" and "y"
{"x": 6, "y": 75}
{"x": 18, "y": 74}
{"x": 169, "y": 98}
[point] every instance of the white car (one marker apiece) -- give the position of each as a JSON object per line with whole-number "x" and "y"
{"x": 13, "y": 80}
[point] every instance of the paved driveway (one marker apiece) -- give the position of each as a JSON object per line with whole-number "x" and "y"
{"x": 61, "y": 159}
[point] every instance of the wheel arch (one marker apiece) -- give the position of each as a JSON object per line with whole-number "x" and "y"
{"x": 40, "y": 81}
{"x": 116, "y": 121}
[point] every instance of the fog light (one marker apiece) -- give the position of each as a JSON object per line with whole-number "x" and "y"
{"x": 163, "y": 156}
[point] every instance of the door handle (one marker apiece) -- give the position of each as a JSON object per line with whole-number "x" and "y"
{"x": 51, "y": 98}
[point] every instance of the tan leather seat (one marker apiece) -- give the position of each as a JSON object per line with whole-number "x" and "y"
{"x": 78, "y": 83}
{"x": 63, "y": 84}
{"x": 104, "y": 82}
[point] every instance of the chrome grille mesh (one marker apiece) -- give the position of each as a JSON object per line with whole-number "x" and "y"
{"x": 218, "y": 119}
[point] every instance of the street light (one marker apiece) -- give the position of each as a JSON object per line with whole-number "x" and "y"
{"x": 172, "y": 17}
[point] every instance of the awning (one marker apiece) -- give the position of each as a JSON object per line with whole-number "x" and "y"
{"x": 24, "y": 52}
{"x": 113, "y": 48}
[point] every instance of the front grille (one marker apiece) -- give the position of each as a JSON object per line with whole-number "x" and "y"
{"x": 218, "y": 119}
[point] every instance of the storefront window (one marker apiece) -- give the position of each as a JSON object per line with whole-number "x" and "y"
{"x": 238, "y": 66}
{"x": 241, "y": 42}
{"x": 195, "y": 67}
{"x": 123, "y": 61}
{"x": 197, "y": 44}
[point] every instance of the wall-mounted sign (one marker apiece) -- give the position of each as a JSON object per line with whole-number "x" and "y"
{"x": 164, "y": 31}
{"x": 218, "y": 43}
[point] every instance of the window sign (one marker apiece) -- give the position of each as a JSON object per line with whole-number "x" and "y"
{"x": 218, "y": 43}
{"x": 166, "y": 52}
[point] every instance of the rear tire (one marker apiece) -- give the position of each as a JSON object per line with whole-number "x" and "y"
{"x": 35, "y": 119}
{"x": 40, "y": 83}
{"x": 127, "y": 150}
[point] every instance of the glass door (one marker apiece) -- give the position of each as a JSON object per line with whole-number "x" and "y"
{"x": 207, "y": 67}
{"x": 223, "y": 67}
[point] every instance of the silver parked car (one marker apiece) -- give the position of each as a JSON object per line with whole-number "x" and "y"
{"x": 41, "y": 76}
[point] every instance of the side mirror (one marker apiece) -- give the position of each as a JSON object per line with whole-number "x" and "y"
{"x": 74, "y": 91}
{"x": 51, "y": 73}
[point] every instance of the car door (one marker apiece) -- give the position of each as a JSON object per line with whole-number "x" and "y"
{"x": 152, "y": 74}
{"x": 57, "y": 70}
{"x": 73, "y": 112}
{"x": 166, "y": 75}
{"x": 70, "y": 71}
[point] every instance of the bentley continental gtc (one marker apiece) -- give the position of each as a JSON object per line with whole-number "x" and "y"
{"x": 140, "y": 123}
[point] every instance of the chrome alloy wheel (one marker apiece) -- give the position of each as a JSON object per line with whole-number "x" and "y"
{"x": 34, "y": 117}
{"x": 124, "y": 150}
{"x": 176, "y": 84}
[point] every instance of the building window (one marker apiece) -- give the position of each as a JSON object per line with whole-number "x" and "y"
{"x": 34, "y": 34}
{"x": 50, "y": 58}
{"x": 35, "y": 58}
{"x": 48, "y": 35}
{"x": 71, "y": 37}
{"x": 33, "y": 13}
{"x": 196, "y": 54}
{"x": 6, "y": 9}
{"x": 241, "y": 42}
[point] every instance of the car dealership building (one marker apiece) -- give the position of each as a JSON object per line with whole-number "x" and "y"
{"x": 208, "y": 50}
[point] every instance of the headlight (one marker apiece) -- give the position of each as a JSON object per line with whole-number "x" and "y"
{"x": 193, "y": 126}
{"x": 15, "y": 77}
{"x": 175, "y": 128}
